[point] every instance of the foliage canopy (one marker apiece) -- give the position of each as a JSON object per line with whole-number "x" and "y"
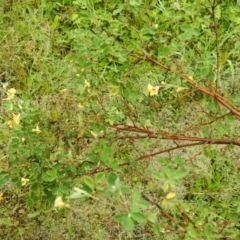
{"x": 132, "y": 106}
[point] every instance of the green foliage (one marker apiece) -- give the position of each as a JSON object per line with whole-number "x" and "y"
{"x": 94, "y": 91}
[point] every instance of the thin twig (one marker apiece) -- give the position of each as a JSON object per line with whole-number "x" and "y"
{"x": 170, "y": 217}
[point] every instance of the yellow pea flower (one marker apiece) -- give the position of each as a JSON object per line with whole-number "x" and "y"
{"x": 170, "y": 195}
{"x": 16, "y": 118}
{"x": 1, "y": 197}
{"x": 9, "y": 123}
{"x": 87, "y": 84}
{"x": 179, "y": 89}
{"x": 5, "y": 86}
{"x": 24, "y": 181}
{"x": 59, "y": 202}
{"x": 63, "y": 90}
{"x": 12, "y": 91}
{"x": 80, "y": 106}
{"x": 94, "y": 134}
{"x": 36, "y": 130}
{"x": 153, "y": 90}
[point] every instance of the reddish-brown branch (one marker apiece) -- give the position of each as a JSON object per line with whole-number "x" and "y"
{"x": 168, "y": 136}
{"x": 147, "y": 156}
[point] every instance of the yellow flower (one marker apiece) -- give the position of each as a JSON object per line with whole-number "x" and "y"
{"x": 87, "y": 84}
{"x": 179, "y": 89}
{"x": 190, "y": 77}
{"x": 24, "y": 181}
{"x": 94, "y": 134}
{"x": 60, "y": 204}
{"x": 80, "y": 106}
{"x": 1, "y": 197}
{"x": 153, "y": 90}
{"x": 63, "y": 90}
{"x": 9, "y": 123}
{"x": 5, "y": 85}
{"x": 170, "y": 195}
{"x": 16, "y": 118}
{"x": 12, "y": 91}
{"x": 36, "y": 130}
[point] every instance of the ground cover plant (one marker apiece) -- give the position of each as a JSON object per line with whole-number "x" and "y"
{"x": 120, "y": 119}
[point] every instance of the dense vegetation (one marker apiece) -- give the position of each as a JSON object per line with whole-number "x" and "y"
{"x": 120, "y": 119}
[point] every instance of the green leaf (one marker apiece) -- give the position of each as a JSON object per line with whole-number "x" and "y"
{"x": 158, "y": 176}
{"x": 111, "y": 178}
{"x": 156, "y": 228}
{"x": 136, "y": 195}
{"x": 7, "y": 105}
{"x": 179, "y": 174}
{"x": 218, "y": 11}
{"x": 134, "y": 207}
{"x": 120, "y": 217}
{"x": 163, "y": 51}
{"x": 63, "y": 189}
{"x": 147, "y": 30}
{"x": 152, "y": 217}
{"x": 3, "y": 179}
{"x": 163, "y": 160}
{"x": 127, "y": 224}
{"x": 233, "y": 216}
{"x": 105, "y": 154}
{"x": 89, "y": 182}
{"x": 50, "y": 175}
{"x": 213, "y": 106}
{"x": 135, "y": 2}
{"x": 142, "y": 203}
{"x": 237, "y": 98}
{"x": 168, "y": 172}
{"x": 222, "y": 128}
{"x": 186, "y": 36}
{"x": 224, "y": 57}
{"x": 99, "y": 176}
{"x": 54, "y": 115}
{"x": 72, "y": 168}
{"x": 125, "y": 190}
{"x": 30, "y": 201}
{"x": 138, "y": 217}
{"x": 192, "y": 232}
{"x": 208, "y": 229}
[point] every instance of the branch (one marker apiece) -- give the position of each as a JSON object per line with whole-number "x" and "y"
{"x": 169, "y": 136}
{"x": 165, "y": 214}
{"x": 144, "y": 157}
